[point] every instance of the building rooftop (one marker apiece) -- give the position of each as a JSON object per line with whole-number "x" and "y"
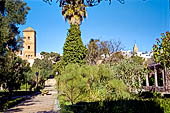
{"x": 28, "y": 29}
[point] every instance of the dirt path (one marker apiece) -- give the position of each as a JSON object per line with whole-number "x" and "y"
{"x": 38, "y": 104}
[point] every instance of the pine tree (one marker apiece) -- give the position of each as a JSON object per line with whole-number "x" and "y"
{"x": 74, "y": 50}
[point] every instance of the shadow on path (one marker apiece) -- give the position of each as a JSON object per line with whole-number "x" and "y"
{"x": 37, "y": 103}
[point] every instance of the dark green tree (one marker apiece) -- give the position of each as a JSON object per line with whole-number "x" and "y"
{"x": 13, "y": 71}
{"x": 74, "y": 50}
{"x": 12, "y": 14}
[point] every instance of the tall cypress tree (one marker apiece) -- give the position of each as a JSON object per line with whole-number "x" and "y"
{"x": 74, "y": 50}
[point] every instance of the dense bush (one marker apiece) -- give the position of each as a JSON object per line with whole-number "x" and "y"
{"x": 121, "y": 106}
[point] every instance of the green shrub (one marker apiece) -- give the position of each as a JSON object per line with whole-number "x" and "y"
{"x": 152, "y": 105}
{"x": 131, "y": 72}
{"x": 117, "y": 106}
{"x": 89, "y": 83}
{"x": 164, "y": 104}
{"x": 24, "y": 87}
{"x": 10, "y": 103}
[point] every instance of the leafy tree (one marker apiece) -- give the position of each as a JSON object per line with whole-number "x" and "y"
{"x": 12, "y": 13}
{"x": 107, "y": 48}
{"x": 131, "y": 72}
{"x": 43, "y": 67}
{"x": 13, "y": 71}
{"x": 58, "y": 67}
{"x": 74, "y": 51}
{"x": 9, "y": 19}
{"x": 53, "y": 57}
{"x": 107, "y": 51}
{"x": 161, "y": 50}
{"x": 93, "y": 53}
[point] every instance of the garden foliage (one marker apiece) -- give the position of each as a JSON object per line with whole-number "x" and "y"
{"x": 12, "y": 68}
{"x": 161, "y": 50}
{"x": 89, "y": 84}
{"x": 74, "y": 51}
{"x": 155, "y": 105}
{"x": 131, "y": 72}
{"x": 13, "y": 71}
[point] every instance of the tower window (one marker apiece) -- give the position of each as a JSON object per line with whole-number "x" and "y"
{"x": 29, "y": 37}
{"x": 28, "y": 47}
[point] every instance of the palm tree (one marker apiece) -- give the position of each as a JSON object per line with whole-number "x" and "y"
{"x": 89, "y": 3}
{"x": 74, "y": 12}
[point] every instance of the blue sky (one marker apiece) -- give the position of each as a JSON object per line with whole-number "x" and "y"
{"x": 135, "y": 21}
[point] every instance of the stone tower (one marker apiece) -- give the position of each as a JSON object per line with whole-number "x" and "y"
{"x": 29, "y": 50}
{"x": 135, "y": 48}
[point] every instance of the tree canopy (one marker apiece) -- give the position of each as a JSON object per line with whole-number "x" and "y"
{"x": 74, "y": 13}
{"x": 89, "y": 3}
{"x": 13, "y": 71}
{"x": 161, "y": 50}
{"x": 44, "y": 66}
{"x": 12, "y": 68}
{"x": 9, "y": 21}
{"x": 107, "y": 51}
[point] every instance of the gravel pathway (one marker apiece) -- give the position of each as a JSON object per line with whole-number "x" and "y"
{"x": 38, "y": 104}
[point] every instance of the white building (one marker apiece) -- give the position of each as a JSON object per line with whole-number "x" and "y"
{"x": 129, "y": 53}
